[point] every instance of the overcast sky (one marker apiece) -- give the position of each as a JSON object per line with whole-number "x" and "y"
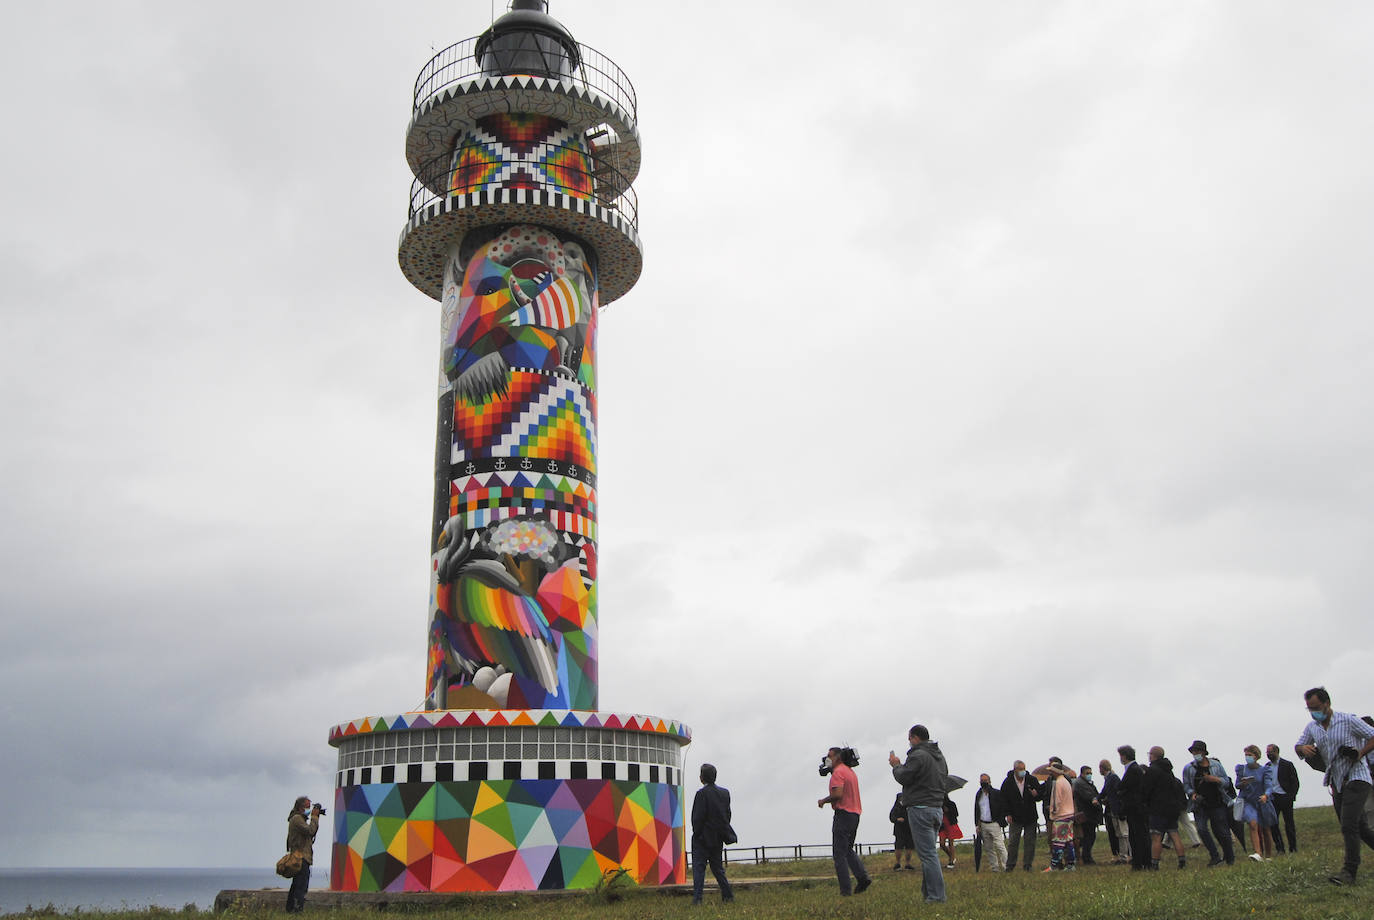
{"x": 999, "y": 366}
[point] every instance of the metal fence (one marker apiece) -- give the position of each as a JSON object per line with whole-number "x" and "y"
{"x": 795, "y": 852}
{"x": 590, "y": 68}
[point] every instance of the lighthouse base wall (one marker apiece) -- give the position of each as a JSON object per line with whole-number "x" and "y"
{"x": 502, "y": 800}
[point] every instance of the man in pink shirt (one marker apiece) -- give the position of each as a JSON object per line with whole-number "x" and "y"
{"x": 844, "y": 828}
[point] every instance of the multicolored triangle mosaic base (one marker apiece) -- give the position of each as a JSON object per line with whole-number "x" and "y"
{"x": 505, "y": 835}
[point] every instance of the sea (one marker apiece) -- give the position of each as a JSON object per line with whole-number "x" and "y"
{"x": 69, "y": 890}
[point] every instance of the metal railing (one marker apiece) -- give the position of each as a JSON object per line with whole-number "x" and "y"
{"x": 591, "y": 69}
{"x": 578, "y": 174}
{"x": 795, "y": 852}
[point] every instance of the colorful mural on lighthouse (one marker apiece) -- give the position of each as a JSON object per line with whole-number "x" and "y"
{"x": 513, "y": 600}
{"x": 522, "y": 223}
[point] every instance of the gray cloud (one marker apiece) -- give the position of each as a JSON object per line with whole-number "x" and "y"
{"x": 1027, "y": 345}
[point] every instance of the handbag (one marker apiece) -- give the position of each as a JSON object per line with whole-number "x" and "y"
{"x": 289, "y": 866}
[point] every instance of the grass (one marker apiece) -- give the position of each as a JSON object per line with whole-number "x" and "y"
{"x": 1289, "y": 888}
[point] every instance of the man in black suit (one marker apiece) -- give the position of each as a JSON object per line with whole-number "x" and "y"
{"x": 710, "y": 832}
{"x": 1020, "y": 792}
{"x": 1132, "y": 795}
{"x": 1283, "y": 801}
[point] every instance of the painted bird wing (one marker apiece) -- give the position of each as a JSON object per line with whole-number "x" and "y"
{"x": 496, "y": 625}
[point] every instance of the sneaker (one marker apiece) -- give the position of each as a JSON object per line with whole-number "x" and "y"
{"x": 897, "y": 868}
{"x": 863, "y": 885}
{"x": 1048, "y": 869}
{"x": 1256, "y": 857}
{"x": 949, "y": 865}
{"x": 1345, "y": 878}
{"x": 1215, "y": 862}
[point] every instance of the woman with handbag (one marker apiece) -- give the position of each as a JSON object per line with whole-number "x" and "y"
{"x": 300, "y": 838}
{"x": 1255, "y": 782}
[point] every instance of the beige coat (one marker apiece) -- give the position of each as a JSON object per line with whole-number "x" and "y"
{"x": 300, "y": 835}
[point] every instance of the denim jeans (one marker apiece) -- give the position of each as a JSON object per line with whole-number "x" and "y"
{"x": 1349, "y": 805}
{"x": 925, "y": 829}
{"x": 300, "y": 884}
{"x": 702, "y": 856}
{"x": 1215, "y": 821}
{"x": 843, "y": 829}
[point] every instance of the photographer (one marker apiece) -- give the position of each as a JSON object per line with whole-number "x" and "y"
{"x": 300, "y": 838}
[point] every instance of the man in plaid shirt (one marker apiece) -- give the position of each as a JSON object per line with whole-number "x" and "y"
{"x": 1344, "y": 743}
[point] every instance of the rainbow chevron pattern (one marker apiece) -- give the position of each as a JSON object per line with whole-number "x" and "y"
{"x": 541, "y": 416}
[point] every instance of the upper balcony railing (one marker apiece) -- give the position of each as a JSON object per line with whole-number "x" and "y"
{"x": 592, "y": 69}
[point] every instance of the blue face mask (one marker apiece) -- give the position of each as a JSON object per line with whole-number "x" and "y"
{"x": 1250, "y": 759}
{"x": 1020, "y": 774}
{"x": 1318, "y": 715}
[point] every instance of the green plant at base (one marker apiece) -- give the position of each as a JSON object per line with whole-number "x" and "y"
{"x": 614, "y": 885}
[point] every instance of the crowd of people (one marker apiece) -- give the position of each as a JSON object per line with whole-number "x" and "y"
{"x": 1143, "y": 809}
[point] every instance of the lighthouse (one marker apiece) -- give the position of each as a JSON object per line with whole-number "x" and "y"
{"x": 523, "y": 223}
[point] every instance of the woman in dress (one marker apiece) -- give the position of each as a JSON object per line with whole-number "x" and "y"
{"x": 1255, "y": 781}
{"x": 949, "y": 830}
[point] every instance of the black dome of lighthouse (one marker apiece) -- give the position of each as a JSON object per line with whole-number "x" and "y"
{"x": 527, "y": 40}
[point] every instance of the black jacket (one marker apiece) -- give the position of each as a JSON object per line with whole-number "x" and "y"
{"x": 1288, "y": 778}
{"x": 1131, "y": 790}
{"x": 996, "y": 804}
{"x": 711, "y": 816}
{"x": 1021, "y": 806}
{"x": 1161, "y": 790}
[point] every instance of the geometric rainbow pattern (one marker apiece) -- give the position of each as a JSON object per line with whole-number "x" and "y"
{"x": 541, "y": 415}
{"x": 569, "y": 508}
{"x": 501, "y": 718}
{"x": 505, "y": 835}
{"x": 517, "y": 151}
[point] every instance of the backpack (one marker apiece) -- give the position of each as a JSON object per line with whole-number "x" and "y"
{"x": 1180, "y": 796}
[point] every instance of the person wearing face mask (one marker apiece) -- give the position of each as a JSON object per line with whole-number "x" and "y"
{"x": 300, "y": 838}
{"x": 1020, "y": 793}
{"x": 1344, "y": 742}
{"x": 1088, "y": 814}
{"x": 989, "y": 817}
{"x": 1256, "y": 784}
{"x": 1287, "y": 776}
{"x": 1210, "y": 792}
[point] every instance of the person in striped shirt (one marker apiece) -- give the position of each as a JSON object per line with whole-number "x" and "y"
{"x": 1344, "y": 743}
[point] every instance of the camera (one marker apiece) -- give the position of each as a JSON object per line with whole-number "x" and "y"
{"x": 848, "y": 757}
{"x": 1348, "y": 752}
{"x": 321, "y": 808}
